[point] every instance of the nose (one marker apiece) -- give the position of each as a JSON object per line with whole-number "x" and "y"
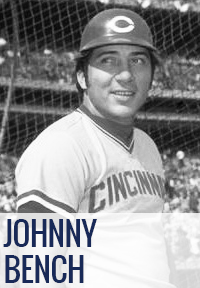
{"x": 125, "y": 73}
{"x": 124, "y": 76}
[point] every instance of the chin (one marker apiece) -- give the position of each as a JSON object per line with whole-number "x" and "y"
{"x": 125, "y": 112}
{"x": 123, "y": 118}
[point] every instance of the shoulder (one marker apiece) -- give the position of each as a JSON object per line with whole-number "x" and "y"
{"x": 143, "y": 140}
{"x": 56, "y": 143}
{"x": 67, "y": 123}
{"x": 65, "y": 142}
{"x": 59, "y": 134}
{"x": 147, "y": 150}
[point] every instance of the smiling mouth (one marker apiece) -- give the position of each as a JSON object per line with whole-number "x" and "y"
{"x": 124, "y": 93}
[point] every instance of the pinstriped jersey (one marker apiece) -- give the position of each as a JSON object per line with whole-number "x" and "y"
{"x": 76, "y": 165}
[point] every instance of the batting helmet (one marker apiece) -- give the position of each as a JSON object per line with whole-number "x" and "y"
{"x": 116, "y": 26}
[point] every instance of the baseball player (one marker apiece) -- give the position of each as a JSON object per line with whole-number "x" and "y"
{"x": 94, "y": 160}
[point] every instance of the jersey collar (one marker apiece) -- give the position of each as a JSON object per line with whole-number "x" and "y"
{"x": 122, "y": 134}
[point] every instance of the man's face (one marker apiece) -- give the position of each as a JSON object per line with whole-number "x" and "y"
{"x": 119, "y": 78}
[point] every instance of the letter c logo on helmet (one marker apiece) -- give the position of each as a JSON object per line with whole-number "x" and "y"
{"x": 128, "y": 28}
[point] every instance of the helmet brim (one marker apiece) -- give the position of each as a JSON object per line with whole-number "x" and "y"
{"x": 105, "y": 41}
{"x": 109, "y": 40}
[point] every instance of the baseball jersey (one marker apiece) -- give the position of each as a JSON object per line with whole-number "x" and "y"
{"x": 79, "y": 165}
{"x": 76, "y": 165}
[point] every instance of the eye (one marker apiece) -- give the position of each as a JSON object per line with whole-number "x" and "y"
{"x": 108, "y": 60}
{"x": 139, "y": 60}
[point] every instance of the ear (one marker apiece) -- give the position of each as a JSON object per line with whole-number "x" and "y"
{"x": 81, "y": 79}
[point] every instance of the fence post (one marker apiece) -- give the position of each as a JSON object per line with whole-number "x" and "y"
{"x": 5, "y": 116}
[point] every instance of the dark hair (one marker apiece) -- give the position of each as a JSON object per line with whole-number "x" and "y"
{"x": 155, "y": 61}
{"x": 82, "y": 61}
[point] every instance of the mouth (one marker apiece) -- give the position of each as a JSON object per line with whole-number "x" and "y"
{"x": 122, "y": 94}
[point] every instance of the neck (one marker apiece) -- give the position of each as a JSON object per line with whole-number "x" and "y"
{"x": 123, "y": 131}
{"x": 124, "y": 122}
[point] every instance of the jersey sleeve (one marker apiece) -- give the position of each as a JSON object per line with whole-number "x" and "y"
{"x": 50, "y": 175}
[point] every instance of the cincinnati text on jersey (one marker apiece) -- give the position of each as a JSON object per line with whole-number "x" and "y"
{"x": 121, "y": 186}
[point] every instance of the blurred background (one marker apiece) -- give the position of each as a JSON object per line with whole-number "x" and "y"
{"x": 39, "y": 40}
